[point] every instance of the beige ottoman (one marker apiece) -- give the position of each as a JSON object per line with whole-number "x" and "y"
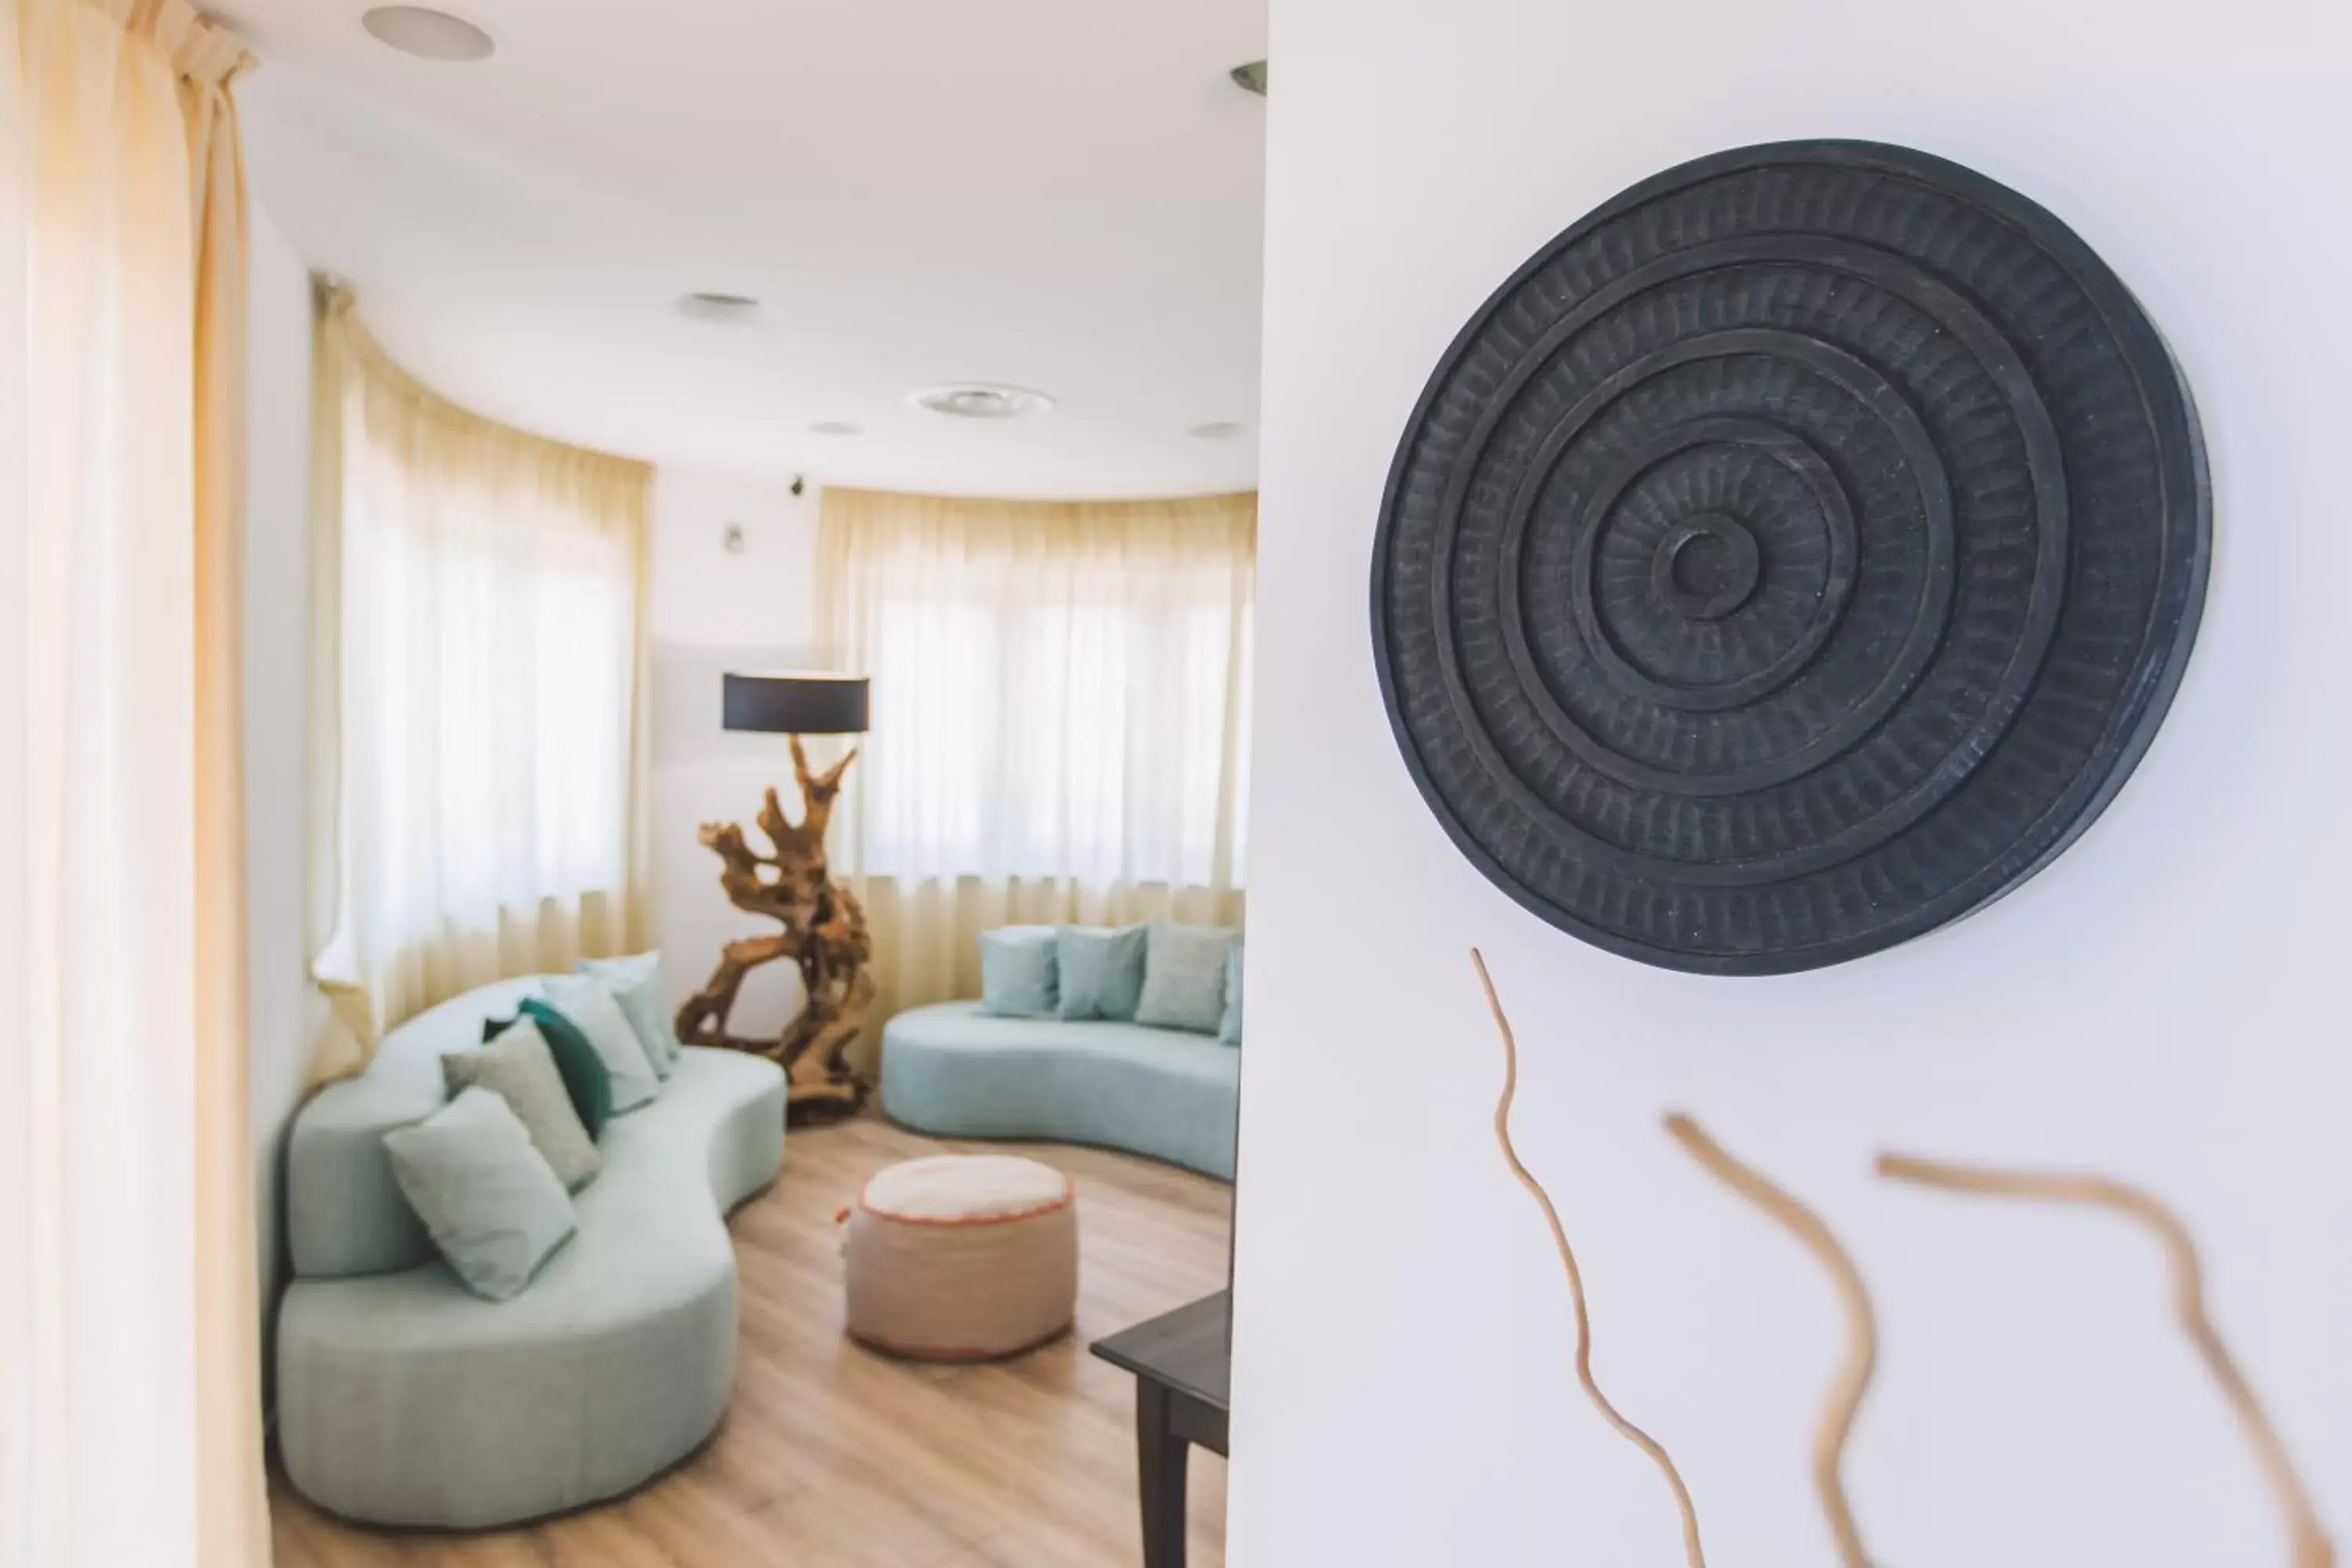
{"x": 962, "y": 1257}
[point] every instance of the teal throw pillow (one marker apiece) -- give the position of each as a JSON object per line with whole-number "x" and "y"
{"x": 1017, "y": 971}
{"x": 1229, "y": 1028}
{"x": 586, "y": 1079}
{"x": 1184, "y": 978}
{"x": 1100, "y": 972}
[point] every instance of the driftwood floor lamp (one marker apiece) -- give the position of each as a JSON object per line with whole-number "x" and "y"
{"x": 824, "y": 926}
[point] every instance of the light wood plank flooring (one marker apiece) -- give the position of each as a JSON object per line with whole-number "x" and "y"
{"x": 834, "y": 1456}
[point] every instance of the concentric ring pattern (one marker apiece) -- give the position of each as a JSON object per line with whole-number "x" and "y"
{"x": 1796, "y": 555}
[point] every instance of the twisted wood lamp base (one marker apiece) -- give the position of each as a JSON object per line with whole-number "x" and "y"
{"x": 823, "y": 934}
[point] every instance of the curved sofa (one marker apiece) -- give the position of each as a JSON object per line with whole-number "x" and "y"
{"x": 956, "y": 1071}
{"x": 405, "y": 1399}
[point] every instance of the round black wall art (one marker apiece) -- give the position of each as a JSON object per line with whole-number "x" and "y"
{"x": 1794, "y": 556}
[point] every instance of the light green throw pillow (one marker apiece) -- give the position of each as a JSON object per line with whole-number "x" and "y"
{"x": 519, "y": 1068}
{"x": 1184, "y": 978}
{"x": 1100, "y": 972}
{"x": 636, "y": 987}
{"x": 1229, "y": 1030}
{"x": 589, "y": 1002}
{"x": 586, "y": 1078}
{"x": 1017, "y": 978}
{"x": 490, "y": 1201}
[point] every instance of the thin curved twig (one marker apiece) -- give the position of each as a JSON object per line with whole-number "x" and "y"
{"x": 1626, "y": 1429}
{"x": 1853, "y": 1382}
{"x": 2312, "y": 1547}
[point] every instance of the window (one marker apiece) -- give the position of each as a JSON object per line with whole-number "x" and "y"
{"x": 480, "y": 612}
{"x": 1060, "y": 689}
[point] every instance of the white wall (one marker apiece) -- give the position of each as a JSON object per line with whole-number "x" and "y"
{"x": 2165, "y": 1002}
{"x": 286, "y": 1010}
{"x": 713, "y": 612}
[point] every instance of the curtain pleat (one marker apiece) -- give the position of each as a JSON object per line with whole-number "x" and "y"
{"x": 130, "y": 1431}
{"x": 479, "y": 696}
{"x": 1060, "y": 718}
{"x": 232, "y": 1508}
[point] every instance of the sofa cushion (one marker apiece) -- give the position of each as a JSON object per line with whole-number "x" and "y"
{"x": 1229, "y": 1028}
{"x": 1184, "y": 978}
{"x": 588, "y": 1001}
{"x": 1018, "y": 975}
{"x": 490, "y": 1201}
{"x": 519, "y": 1069}
{"x": 636, "y": 985}
{"x": 1100, "y": 972}
{"x": 586, "y": 1078}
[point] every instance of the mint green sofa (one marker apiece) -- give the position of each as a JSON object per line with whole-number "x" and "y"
{"x": 403, "y": 1399}
{"x": 957, "y": 1072}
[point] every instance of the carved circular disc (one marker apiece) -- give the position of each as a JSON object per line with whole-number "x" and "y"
{"x": 1796, "y": 555}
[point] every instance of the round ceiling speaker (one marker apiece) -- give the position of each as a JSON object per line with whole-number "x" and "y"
{"x": 982, "y": 400}
{"x": 427, "y": 34}
{"x": 1795, "y": 555}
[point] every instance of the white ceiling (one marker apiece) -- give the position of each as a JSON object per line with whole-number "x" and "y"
{"x": 1063, "y": 194}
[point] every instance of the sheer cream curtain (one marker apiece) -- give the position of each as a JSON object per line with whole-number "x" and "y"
{"x": 1060, "y": 717}
{"x": 129, "y": 1411}
{"x": 478, "y": 692}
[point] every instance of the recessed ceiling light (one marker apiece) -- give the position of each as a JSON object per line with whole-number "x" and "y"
{"x": 1219, "y": 430}
{"x": 427, "y": 34}
{"x": 1250, "y": 77}
{"x": 728, "y": 310}
{"x": 833, "y": 428}
{"x": 982, "y": 400}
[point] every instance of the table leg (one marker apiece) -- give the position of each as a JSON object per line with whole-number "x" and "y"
{"x": 1161, "y": 1457}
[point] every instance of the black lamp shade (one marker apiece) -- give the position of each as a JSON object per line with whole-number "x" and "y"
{"x": 797, "y": 704}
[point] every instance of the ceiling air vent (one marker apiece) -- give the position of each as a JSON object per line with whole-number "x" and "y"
{"x": 982, "y": 400}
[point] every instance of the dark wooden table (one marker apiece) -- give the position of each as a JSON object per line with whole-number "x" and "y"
{"x": 1182, "y": 1363}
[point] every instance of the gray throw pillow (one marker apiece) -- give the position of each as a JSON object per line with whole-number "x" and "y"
{"x": 1229, "y": 1028}
{"x": 489, "y": 1199}
{"x": 518, "y": 1068}
{"x": 1100, "y": 972}
{"x": 593, "y": 1010}
{"x": 1184, "y": 978}
{"x": 1017, "y": 971}
{"x": 636, "y": 987}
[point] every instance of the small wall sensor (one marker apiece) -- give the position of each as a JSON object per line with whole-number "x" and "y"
{"x": 733, "y": 539}
{"x": 799, "y": 484}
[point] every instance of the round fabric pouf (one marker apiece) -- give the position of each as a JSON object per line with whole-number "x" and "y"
{"x": 962, "y": 1257}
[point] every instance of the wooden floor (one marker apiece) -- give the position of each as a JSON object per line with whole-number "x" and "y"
{"x": 833, "y": 1456}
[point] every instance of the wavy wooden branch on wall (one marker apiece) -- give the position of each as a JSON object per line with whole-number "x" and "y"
{"x": 1626, "y": 1429}
{"x": 2311, "y": 1545}
{"x": 1853, "y": 1381}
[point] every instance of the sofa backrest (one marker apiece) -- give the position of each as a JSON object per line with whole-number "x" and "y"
{"x": 344, "y": 1212}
